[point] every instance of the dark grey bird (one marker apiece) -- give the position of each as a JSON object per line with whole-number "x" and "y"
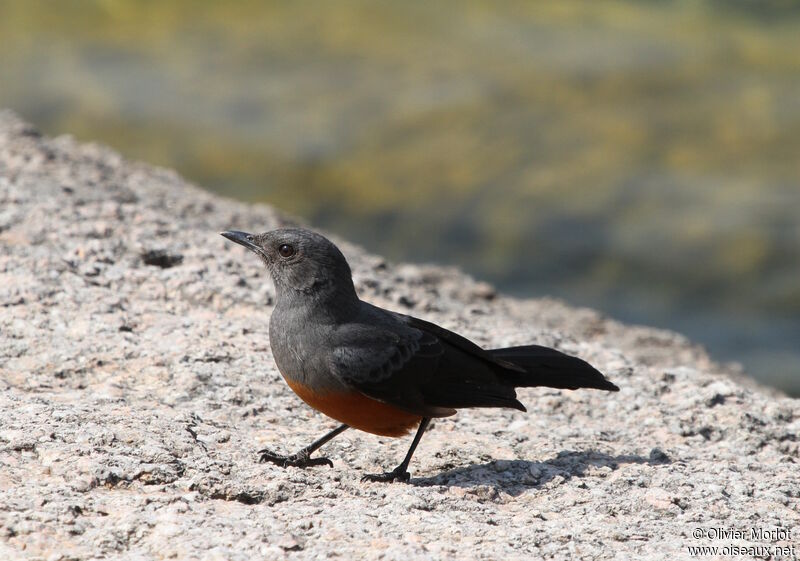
{"x": 381, "y": 371}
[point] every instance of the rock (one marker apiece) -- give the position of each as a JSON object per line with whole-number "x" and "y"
{"x": 137, "y": 384}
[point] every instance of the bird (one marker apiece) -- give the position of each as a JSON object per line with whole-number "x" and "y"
{"x": 380, "y": 371}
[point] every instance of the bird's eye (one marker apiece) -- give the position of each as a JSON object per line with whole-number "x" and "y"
{"x": 250, "y": 238}
{"x": 286, "y": 250}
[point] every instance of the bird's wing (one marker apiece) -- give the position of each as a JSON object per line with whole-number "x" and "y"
{"x": 417, "y": 366}
{"x": 457, "y": 341}
{"x": 365, "y": 354}
{"x": 387, "y": 364}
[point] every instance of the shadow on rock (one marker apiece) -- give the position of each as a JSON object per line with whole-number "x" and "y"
{"x": 516, "y": 476}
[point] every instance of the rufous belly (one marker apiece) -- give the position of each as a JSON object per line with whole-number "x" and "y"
{"x": 358, "y": 411}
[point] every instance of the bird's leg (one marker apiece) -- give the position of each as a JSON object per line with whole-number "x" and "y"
{"x": 302, "y": 458}
{"x": 400, "y": 473}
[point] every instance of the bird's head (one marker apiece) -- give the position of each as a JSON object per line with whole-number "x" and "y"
{"x": 299, "y": 261}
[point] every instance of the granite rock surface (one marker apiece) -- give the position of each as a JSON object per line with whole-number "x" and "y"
{"x": 137, "y": 384}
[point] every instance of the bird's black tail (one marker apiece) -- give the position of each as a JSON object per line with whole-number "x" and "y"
{"x": 550, "y": 368}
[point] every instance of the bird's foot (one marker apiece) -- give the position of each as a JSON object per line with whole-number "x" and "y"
{"x": 301, "y": 459}
{"x": 397, "y": 474}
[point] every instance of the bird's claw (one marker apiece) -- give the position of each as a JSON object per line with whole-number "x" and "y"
{"x": 300, "y": 459}
{"x": 396, "y": 474}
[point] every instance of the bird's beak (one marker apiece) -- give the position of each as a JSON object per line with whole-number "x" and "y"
{"x": 242, "y": 238}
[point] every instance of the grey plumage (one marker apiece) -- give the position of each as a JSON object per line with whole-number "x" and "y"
{"x": 327, "y": 341}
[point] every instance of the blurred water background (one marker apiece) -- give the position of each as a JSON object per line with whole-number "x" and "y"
{"x": 641, "y": 158}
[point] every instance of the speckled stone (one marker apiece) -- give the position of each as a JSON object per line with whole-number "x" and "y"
{"x": 137, "y": 384}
